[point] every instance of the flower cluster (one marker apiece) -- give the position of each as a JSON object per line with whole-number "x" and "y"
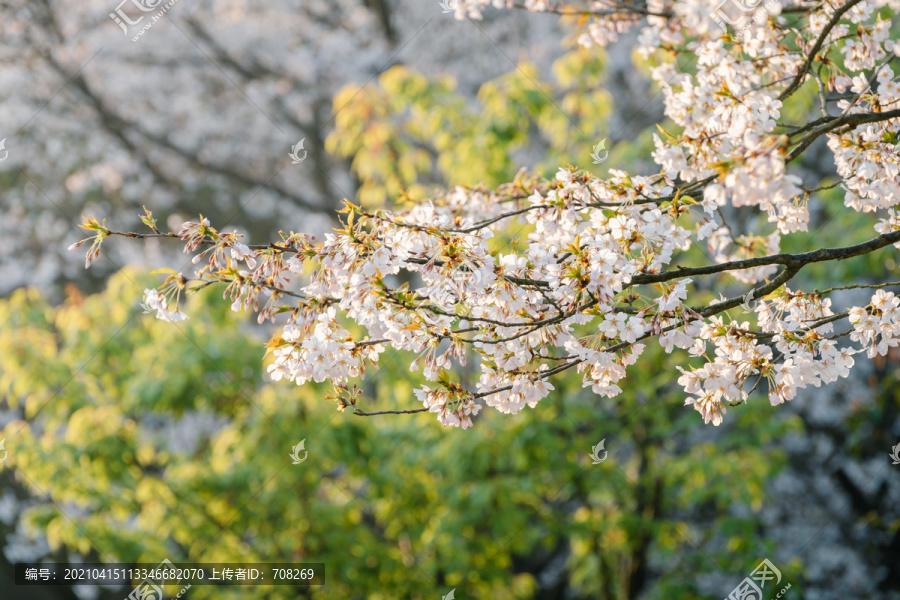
{"x": 451, "y": 411}
{"x": 790, "y": 351}
{"x": 156, "y": 301}
{"x": 868, "y": 157}
{"x": 877, "y": 326}
{"x": 326, "y": 353}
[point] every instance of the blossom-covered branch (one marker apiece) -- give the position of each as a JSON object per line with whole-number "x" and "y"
{"x": 607, "y": 263}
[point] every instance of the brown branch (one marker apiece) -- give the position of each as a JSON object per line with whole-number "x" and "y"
{"x": 623, "y": 10}
{"x": 848, "y": 120}
{"x": 776, "y": 283}
{"x": 797, "y": 260}
{"x": 798, "y": 80}
{"x": 361, "y": 413}
{"x": 803, "y": 258}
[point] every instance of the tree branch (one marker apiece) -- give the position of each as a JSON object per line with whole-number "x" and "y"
{"x": 798, "y": 80}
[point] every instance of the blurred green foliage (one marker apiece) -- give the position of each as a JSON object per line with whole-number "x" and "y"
{"x": 394, "y": 506}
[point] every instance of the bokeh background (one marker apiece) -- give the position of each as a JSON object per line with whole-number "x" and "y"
{"x": 130, "y": 439}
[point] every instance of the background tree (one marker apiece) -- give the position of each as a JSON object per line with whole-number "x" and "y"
{"x": 517, "y": 511}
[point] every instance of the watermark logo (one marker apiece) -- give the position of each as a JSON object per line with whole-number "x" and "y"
{"x": 122, "y": 20}
{"x": 749, "y": 303}
{"x": 4, "y": 153}
{"x": 733, "y": 12}
{"x": 450, "y": 596}
{"x": 448, "y": 6}
{"x": 296, "y": 450}
{"x": 145, "y": 590}
{"x": 895, "y": 454}
{"x": 296, "y": 159}
{"x": 148, "y": 590}
{"x": 751, "y": 588}
{"x": 144, "y": 6}
{"x": 596, "y": 450}
{"x": 3, "y": 452}
{"x": 600, "y": 147}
